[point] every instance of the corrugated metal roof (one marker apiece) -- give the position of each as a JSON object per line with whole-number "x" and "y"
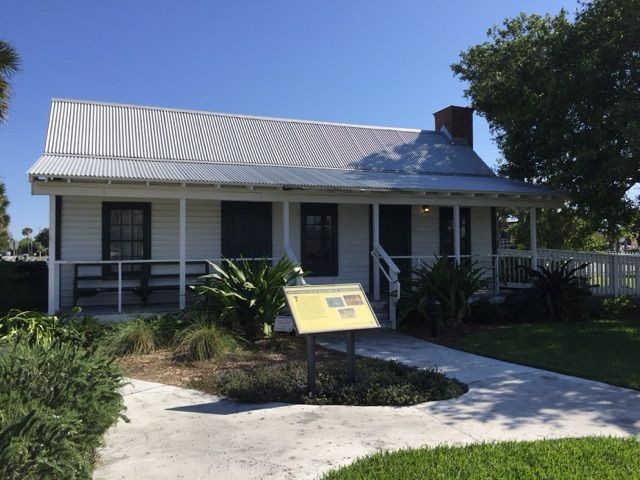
{"x": 264, "y": 175}
{"x": 128, "y": 131}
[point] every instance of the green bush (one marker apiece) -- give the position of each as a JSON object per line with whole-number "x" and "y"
{"x": 56, "y": 402}
{"x": 379, "y": 383}
{"x": 23, "y": 285}
{"x": 247, "y": 295}
{"x": 138, "y": 336}
{"x": 484, "y": 311}
{"x": 561, "y": 290}
{"x": 39, "y": 328}
{"x": 617, "y": 307}
{"x": 449, "y": 283}
{"x": 203, "y": 339}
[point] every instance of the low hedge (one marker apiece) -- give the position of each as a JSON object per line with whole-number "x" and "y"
{"x": 380, "y": 382}
{"x": 23, "y": 285}
{"x": 56, "y": 402}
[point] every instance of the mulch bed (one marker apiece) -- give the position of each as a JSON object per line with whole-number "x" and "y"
{"x": 161, "y": 367}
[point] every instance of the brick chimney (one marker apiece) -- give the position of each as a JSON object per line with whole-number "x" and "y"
{"x": 458, "y": 122}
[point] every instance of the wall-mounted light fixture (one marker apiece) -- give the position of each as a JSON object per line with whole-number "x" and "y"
{"x": 425, "y": 209}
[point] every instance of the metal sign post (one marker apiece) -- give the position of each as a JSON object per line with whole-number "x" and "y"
{"x": 351, "y": 357}
{"x": 311, "y": 363}
{"x": 329, "y": 309}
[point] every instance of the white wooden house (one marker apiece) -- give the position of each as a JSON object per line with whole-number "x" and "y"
{"x": 141, "y": 197}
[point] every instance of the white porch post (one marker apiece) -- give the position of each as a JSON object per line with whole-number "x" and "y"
{"x": 183, "y": 252}
{"x": 456, "y": 233}
{"x": 534, "y": 239}
{"x": 376, "y": 242}
{"x": 53, "y": 299}
{"x": 285, "y": 224}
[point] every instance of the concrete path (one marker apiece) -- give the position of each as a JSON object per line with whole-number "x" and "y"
{"x": 178, "y": 433}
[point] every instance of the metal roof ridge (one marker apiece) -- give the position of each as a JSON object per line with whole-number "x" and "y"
{"x": 235, "y": 164}
{"x": 239, "y": 115}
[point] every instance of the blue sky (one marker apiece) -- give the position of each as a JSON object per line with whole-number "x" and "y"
{"x": 371, "y": 62}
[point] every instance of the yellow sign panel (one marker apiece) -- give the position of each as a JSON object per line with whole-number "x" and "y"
{"x": 330, "y": 308}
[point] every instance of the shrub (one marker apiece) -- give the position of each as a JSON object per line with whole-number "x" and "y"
{"x": 380, "y": 382}
{"x": 562, "y": 291}
{"x": 56, "y": 402}
{"x": 38, "y": 328}
{"x": 449, "y": 283}
{"x": 203, "y": 339}
{"x": 617, "y": 307}
{"x": 247, "y": 296}
{"x": 23, "y": 285}
{"x": 485, "y": 311}
{"x": 138, "y": 336}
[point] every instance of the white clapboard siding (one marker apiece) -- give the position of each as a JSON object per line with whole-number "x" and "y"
{"x": 81, "y": 237}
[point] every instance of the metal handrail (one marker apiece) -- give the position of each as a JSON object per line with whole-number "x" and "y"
{"x": 379, "y": 253}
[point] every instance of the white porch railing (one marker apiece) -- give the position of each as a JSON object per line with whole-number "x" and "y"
{"x": 119, "y": 283}
{"x": 390, "y": 270}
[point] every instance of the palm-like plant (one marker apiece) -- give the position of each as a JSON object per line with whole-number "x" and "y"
{"x": 247, "y": 296}
{"x": 449, "y": 283}
{"x": 562, "y": 289}
{"x": 9, "y": 64}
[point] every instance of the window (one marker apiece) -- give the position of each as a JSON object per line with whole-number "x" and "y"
{"x": 319, "y": 228}
{"x": 126, "y": 234}
{"x": 446, "y": 231}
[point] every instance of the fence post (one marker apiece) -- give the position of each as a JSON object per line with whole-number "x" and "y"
{"x": 613, "y": 278}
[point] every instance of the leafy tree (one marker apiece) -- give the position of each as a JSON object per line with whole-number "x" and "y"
{"x": 26, "y": 241}
{"x": 4, "y": 218}
{"x": 562, "y": 101}
{"x": 42, "y": 237}
{"x": 9, "y": 64}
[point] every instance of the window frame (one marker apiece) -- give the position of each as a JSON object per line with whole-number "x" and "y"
{"x": 327, "y": 269}
{"x": 446, "y": 222}
{"x": 107, "y": 208}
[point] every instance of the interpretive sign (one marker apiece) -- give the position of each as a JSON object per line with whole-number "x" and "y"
{"x": 329, "y": 308}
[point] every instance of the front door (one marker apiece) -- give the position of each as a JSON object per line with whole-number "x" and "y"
{"x": 246, "y": 229}
{"x": 395, "y": 238}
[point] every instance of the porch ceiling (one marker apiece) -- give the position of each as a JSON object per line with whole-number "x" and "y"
{"x": 207, "y": 173}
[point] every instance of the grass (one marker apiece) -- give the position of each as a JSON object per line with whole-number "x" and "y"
{"x": 603, "y": 350}
{"x": 379, "y": 383}
{"x": 136, "y": 336}
{"x": 568, "y": 459}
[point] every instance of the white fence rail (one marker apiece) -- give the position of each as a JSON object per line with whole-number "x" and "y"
{"x": 608, "y": 273}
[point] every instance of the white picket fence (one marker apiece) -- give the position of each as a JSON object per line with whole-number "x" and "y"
{"x": 608, "y": 273}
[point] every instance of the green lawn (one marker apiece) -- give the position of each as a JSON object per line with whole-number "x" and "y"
{"x": 608, "y": 351}
{"x": 568, "y": 459}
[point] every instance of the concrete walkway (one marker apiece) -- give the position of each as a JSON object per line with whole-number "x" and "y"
{"x": 178, "y": 433}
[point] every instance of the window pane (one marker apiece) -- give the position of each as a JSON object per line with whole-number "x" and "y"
{"x": 115, "y": 217}
{"x": 115, "y": 232}
{"x": 136, "y": 233}
{"x": 126, "y": 250}
{"x": 116, "y": 249}
{"x": 126, "y": 217}
{"x": 137, "y": 217}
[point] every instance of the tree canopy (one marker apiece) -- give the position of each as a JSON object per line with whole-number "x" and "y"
{"x": 9, "y": 64}
{"x": 562, "y": 99}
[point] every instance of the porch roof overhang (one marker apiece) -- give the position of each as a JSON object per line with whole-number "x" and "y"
{"x": 131, "y": 170}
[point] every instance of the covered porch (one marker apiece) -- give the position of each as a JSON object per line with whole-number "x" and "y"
{"x": 336, "y": 237}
